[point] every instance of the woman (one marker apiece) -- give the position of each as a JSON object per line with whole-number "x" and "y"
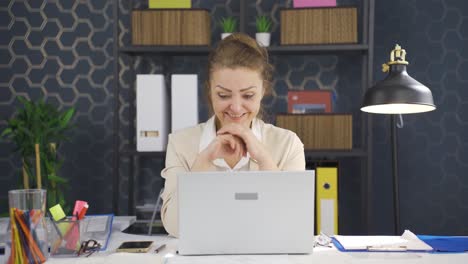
{"x": 235, "y": 137}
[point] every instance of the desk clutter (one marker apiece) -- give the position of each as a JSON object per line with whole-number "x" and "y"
{"x": 33, "y": 236}
{"x": 78, "y": 234}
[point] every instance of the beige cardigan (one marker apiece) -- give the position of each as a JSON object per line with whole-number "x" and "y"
{"x": 285, "y": 147}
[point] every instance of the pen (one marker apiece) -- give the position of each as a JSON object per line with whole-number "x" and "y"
{"x": 386, "y": 248}
{"x": 83, "y": 211}
{"x": 161, "y": 247}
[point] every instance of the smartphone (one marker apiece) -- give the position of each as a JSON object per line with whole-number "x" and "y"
{"x": 135, "y": 246}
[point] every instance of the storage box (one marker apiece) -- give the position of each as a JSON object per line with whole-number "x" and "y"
{"x": 184, "y": 106}
{"x": 151, "y": 112}
{"x": 312, "y": 101}
{"x": 169, "y": 3}
{"x": 65, "y": 237}
{"x": 320, "y": 131}
{"x": 327, "y": 25}
{"x": 311, "y": 3}
{"x": 171, "y": 27}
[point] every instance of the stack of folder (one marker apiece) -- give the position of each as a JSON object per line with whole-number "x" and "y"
{"x": 326, "y": 202}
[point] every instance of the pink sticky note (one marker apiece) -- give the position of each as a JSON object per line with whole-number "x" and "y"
{"x": 79, "y": 205}
{"x": 313, "y": 3}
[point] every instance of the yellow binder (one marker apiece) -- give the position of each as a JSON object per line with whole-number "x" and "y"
{"x": 170, "y": 4}
{"x": 326, "y": 201}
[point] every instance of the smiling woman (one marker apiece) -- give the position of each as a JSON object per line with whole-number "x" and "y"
{"x": 234, "y": 138}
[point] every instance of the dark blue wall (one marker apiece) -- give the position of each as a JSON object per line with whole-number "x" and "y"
{"x": 63, "y": 50}
{"x": 432, "y": 146}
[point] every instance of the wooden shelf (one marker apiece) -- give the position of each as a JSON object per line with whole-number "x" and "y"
{"x": 335, "y": 153}
{"x": 301, "y": 49}
{"x": 204, "y": 50}
{"x": 166, "y": 50}
{"x": 308, "y": 153}
{"x": 134, "y": 153}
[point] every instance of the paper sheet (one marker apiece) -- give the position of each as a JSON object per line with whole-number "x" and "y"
{"x": 407, "y": 241}
{"x": 97, "y": 224}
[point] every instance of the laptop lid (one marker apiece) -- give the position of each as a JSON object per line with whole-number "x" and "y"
{"x": 249, "y": 212}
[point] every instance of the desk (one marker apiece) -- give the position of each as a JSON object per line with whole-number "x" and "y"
{"x": 320, "y": 255}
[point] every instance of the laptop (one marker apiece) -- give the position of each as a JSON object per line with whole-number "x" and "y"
{"x": 249, "y": 212}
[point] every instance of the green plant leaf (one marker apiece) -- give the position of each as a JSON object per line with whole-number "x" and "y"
{"x": 66, "y": 117}
{"x": 57, "y": 179}
{"x": 42, "y": 123}
{"x": 228, "y": 24}
{"x": 263, "y": 24}
{"x": 6, "y": 132}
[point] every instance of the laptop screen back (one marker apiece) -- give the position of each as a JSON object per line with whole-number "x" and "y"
{"x": 251, "y": 212}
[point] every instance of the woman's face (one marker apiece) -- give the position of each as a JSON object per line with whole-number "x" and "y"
{"x": 236, "y": 95}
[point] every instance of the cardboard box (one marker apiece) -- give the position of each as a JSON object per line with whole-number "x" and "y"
{"x": 327, "y": 25}
{"x": 184, "y": 27}
{"x": 320, "y": 131}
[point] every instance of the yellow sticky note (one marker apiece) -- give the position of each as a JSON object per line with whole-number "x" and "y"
{"x": 57, "y": 212}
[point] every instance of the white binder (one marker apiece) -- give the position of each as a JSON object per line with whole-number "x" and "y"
{"x": 184, "y": 105}
{"x": 152, "y": 119}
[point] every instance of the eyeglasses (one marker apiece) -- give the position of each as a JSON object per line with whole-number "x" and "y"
{"x": 89, "y": 247}
{"x": 323, "y": 240}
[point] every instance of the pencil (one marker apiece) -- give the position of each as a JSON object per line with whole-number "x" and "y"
{"x": 161, "y": 247}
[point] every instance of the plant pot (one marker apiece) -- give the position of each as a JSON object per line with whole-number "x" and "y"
{"x": 263, "y": 38}
{"x": 225, "y": 35}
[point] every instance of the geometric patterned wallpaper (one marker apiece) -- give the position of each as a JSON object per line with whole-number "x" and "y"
{"x": 433, "y": 147}
{"x": 63, "y": 50}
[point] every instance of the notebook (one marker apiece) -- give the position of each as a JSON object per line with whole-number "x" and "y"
{"x": 250, "y": 212}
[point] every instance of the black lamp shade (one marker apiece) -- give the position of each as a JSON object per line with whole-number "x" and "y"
{"x": 398, "y": 93}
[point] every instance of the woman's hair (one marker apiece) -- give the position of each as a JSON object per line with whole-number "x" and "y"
{"x": 235, "y": 51}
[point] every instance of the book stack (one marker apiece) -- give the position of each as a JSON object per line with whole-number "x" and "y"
{"x": 171, "y": 27}
{"x": 320, "y": 131}
{"x": 326, "y": 25}
{"x": 312, "y": 101}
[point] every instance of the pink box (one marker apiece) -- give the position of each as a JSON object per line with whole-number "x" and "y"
{"x": 313, "y": 3}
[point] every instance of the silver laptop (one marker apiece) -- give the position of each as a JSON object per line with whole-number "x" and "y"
{"x": 251, "y": 212}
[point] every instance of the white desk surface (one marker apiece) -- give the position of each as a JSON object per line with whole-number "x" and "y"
{"x": 320, "y": 255}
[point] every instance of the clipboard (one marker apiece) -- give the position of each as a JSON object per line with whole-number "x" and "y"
{"x": 408, "y": 242}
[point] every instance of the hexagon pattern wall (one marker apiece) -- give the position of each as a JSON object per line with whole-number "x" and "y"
{"x": 62, "y": 50}
{"x": 432, "y": 146}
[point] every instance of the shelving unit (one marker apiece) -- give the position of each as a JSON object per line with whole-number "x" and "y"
{"x": 362, "y": 153}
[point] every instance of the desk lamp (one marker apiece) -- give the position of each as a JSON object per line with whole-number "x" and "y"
{"x": 397, "y": 94}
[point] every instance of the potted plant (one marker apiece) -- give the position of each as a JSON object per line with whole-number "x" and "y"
{"x": 228, "y": 25}
{"x": 37, "y": 130}
{"x": 263, "y": 34}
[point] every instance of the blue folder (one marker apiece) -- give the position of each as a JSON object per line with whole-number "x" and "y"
{"x": 446, "y": 243}
{"x": 440, "y": 244}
